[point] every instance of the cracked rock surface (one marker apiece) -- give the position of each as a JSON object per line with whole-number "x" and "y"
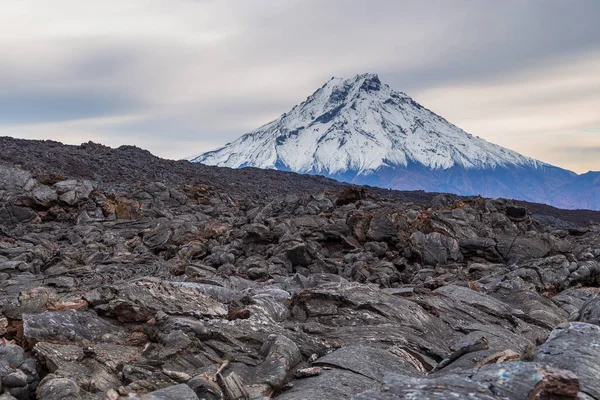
{"x": 126, "y": 276}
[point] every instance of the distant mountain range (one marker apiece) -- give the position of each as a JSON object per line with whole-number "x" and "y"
{"x": 361, "y": 131}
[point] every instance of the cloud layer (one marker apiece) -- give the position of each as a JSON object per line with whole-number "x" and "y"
{"x": 185, "y": 76}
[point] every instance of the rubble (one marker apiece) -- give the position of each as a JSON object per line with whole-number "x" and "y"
{"x": 118, "y": 283}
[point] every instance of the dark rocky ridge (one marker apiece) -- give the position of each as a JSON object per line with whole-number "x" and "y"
{"x": 129, "y": 165}
{"x": 123, "y": 274}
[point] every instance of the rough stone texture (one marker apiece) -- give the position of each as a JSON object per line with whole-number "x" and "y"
{"x": 436, "y": 248}
{"x": 367, "y": 361}
{"x": 281, "y": 355}
{"x": 125, "y": 275}
{"x": 575, "y": 347}
{"x": 179, "y": 392}
{"x": 515, "y": 380}
{"x": 18, "y": 374}
{"x": 70, "y": 326}
{"x": 334, "y": 384}
{"x": 590, "y": 311}
{"x": 53, "y": 387}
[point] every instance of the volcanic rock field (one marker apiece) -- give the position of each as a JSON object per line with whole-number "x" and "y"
{"x": 123, "y": 275}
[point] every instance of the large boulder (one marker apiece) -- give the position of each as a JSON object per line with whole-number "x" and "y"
{"x": 281, "y": 355}
{"x": 590, "y": 311}
{"x": 515, "y": 380}
{"x": 575, "y": 347}
{"x": 70, "y": 326}
{"x": 435, "y": 248}
{"x": 18, "y": 373}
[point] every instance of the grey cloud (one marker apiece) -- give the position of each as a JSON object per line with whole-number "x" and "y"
{"x": 272, "y": 54}
{"x": 204, "y": 120}
{"x": 585, "y": 150}
{"x": 91, "y": 84}
{"x": 417, "y": 44}
{"x": 581, "y": 158}
{"x": 59, "y": 106}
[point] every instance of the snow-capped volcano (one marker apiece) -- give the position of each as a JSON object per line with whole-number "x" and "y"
{"x": 360, "y": 124}
{"x": 362, "y": 131}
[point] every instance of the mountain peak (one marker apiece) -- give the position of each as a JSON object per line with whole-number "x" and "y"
{"x": 357, "y": 126}
{"x": 339, "y": 88}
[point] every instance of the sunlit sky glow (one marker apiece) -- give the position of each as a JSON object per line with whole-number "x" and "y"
{"x": 180, "y": 77}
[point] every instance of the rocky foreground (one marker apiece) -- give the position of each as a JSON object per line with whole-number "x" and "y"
{"x": 164, "y": 283}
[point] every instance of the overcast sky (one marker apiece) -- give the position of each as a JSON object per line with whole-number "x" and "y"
{"x": 179, "y": 77}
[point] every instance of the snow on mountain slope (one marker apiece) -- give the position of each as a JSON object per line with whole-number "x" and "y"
{"x": 359, "y": 126}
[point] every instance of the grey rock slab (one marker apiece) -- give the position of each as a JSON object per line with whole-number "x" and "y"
{"x": 57, "y": 388}
{"x": 140, "y": 300}
{"x": 571, "y": 300}
{"x": 205, "y": 388}
{"x": 535, "y": 307}
{"x": 368, "y": 361}
{"x": 56, "y": 356}
{"x": 70, "y": 327}
{"x": 11, "y": 214}
{"x": 475, "y": 299}
{"x": 518, "y": 380}
{"x": 575, "y": 347}
{"x": 446, "y": 387}
{"x": 511, "y": 380}
{"x": 179, "y": 392}
{"x": 436, "y": 248}
{"x": 517, "y": 249}
{"x": 331, "y": 384}
{"x": 590, "y": 311}
{"x": 12, "y": 355}
{"x": 17, "y": 378}
{"x": 281, "y": 355}
{"x": 218, "y": 293}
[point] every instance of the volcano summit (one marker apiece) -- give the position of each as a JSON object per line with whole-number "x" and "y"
{"x": 360, "y": 130}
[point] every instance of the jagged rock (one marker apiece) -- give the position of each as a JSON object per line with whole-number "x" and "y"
{"x": 179, "y": 392}
{"x": 233, "y": 387}
{"x": 585, "y": 272}
{"x": 574, "y": 347}
{"x": 516, "y": 213}
{"x": 205, "y": 389}
{"x": 383, "y": 225}
{"x": 122, "y": 274}
{"x": 299, "y": 254}
{"x": 70, "y": 327}
{"x": 258, "y": 232}
{"x": 515, "y": 380}
{"x": 331, "y": 384}
{"x": 12, "y": 215}
{"x": 518, "y": 249}
{"x": 371, "y": 362}
{"x": 55, "y": 388}
{"x": 590, "y": 311}
{"x": 351, "y": 194}
{"x": 139, "y": 300}
{"x": 435, "y": 248}
{"x": 18, "y": 373}
{"x": 281, "y": 355}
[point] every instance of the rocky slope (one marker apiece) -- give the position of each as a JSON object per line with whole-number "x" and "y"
{"x": 126, "y": 275}
{"x": 359, "y": 130}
